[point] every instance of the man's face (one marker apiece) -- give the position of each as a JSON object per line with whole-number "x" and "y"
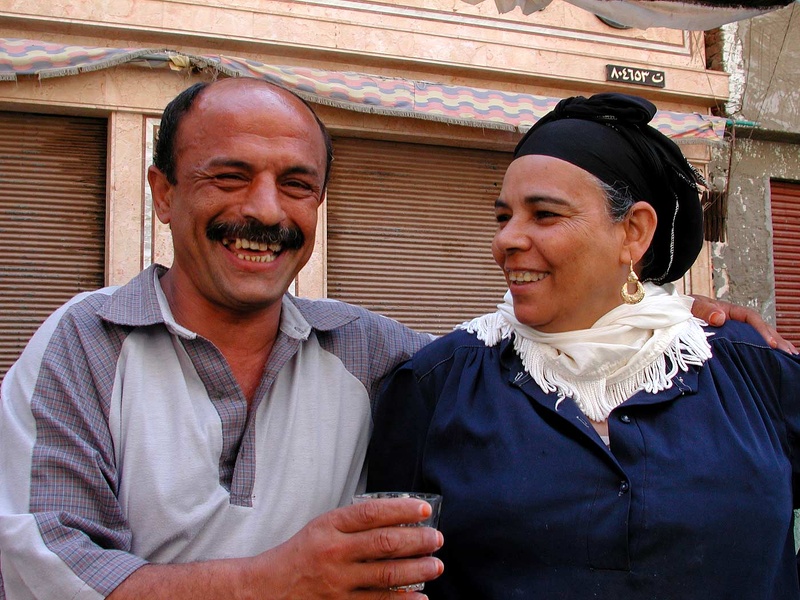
{"x": 250, "y": 167}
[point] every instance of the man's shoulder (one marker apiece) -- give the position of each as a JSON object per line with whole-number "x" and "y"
{"x": 75, "y": 320}
{"x": 368, "y": 344}
{"x": 332, "y": 306}
{"x": 85, "y": 316}
{"x": 120, "y": 304}
{"x": 327, "y": 314}
{"x": 79, "y": 308}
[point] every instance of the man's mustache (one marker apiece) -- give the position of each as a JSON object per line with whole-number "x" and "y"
{"x": 290, "y": 238}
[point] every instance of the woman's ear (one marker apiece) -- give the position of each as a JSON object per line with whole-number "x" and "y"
{"x": 640, "y": 227}
{"x": 161, "y": 189}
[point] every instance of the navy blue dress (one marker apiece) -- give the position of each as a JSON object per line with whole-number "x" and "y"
{"x": 693, "y": 500}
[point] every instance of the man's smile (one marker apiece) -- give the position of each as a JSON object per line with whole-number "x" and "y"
{"x": 265, "y": 252}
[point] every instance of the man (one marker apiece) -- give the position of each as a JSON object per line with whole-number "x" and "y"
{"x": 191, "y": 434}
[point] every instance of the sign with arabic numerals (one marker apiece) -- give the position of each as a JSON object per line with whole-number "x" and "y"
{"x": 635, "y": 76}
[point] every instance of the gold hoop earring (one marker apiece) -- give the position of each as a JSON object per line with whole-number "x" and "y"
{"x": 638, "y": 295}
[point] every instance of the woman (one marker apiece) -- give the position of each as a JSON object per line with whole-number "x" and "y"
{"x": 591, "y": 438}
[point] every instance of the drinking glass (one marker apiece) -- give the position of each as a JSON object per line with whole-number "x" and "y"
{"x": 435, "y": 500}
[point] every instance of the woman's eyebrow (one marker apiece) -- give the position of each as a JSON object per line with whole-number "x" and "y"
{"x": 534, "y": 199}
{"x": 538, "y": 199}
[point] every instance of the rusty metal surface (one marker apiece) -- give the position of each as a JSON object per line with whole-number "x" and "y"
{"x": 52, "y": 219}
{"x": 410, "y": 229}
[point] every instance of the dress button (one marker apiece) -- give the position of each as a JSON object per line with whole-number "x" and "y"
{"x": 624, "y": 487}
{"x": 625, "y": 419}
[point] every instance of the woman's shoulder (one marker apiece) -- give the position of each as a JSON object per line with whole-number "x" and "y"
{"x": 447, "y": 346}
{"x": 735, "y": 333}
{"x": 738, "y": 348}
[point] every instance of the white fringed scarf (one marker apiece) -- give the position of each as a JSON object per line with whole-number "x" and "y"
{"x": 633, "y": 347}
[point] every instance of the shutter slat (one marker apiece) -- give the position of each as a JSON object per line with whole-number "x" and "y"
{"x": 785, "y": 205}
{"x": 410, "y": 229}
{"x": 52, "y": 219}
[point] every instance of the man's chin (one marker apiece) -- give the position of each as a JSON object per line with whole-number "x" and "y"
{"x": 255, "y": 295}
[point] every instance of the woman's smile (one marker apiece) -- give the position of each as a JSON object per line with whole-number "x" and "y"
{"x": 520, "y": 277}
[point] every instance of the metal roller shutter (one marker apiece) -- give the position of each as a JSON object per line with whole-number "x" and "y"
{"x": 52, "y": 219}
{"x": 410, "y": 228}
{"x": 785, "y": 198}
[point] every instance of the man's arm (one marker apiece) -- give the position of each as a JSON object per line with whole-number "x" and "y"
{"x": 64, "y": 534}
{"x": 716, "y": 312}
{"x": 353, "y": 552}
{"x": 62, "y": 531}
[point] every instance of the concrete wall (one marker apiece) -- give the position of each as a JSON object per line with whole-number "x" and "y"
{"x": 762, "y": 57}
{"x": 771, "y": 54}
{"x": 743, "y": 269}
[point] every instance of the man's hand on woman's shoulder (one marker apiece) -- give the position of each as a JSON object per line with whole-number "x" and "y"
{"x": 716, "y": 312}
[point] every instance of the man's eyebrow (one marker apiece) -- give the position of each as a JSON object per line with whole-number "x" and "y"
{"x": 301, "y": 170}
{"x": 236, "y": 163}
{"x": 228, "y": 162}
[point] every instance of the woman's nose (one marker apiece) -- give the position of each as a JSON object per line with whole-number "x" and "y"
{"x": 512, "y": 237}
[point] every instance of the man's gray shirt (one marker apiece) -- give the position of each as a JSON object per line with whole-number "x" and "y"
{"x": 125, "y": 439}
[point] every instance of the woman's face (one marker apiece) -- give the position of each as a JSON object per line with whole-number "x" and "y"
{"x": 562, "y": 256}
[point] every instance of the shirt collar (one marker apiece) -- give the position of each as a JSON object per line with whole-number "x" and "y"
{"x": 141, "y": 303}
{"x": 136, "y": 303}
{"x": 301, "y": 314}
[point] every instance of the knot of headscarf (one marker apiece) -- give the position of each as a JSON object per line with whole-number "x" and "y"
{"x": 600, "y": 107}
{"x": 609, "y": 136}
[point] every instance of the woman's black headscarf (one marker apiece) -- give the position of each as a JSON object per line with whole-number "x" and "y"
{"x": 608, "y": 135}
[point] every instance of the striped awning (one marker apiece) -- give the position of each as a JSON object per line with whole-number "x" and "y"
{"x": 694, "y": 15}
{"x": 361, "y": 92}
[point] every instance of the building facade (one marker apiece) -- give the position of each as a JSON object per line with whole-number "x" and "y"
{"x": 425, "y": 100}
{"x": 758, "y": 169}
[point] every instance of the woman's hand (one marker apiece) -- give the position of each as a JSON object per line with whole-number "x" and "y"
{"x": 716, "y": 312}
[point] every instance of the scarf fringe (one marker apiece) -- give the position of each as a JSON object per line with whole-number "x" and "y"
{"x": 490, "y": 329}
{"x": 689, "y": 347}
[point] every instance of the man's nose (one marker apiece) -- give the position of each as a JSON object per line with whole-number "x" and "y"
{"x": 264, "y": 202}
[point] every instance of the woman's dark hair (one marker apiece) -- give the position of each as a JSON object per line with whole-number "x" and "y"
{"x": 609, "y": 135}
{"x": 619, "y": 201}
{"x": 164, "y": 153}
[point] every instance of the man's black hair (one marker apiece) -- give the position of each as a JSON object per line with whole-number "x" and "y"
{"x": 164, "y": 154}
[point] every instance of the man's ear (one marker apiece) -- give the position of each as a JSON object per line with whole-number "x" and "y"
{"x": 161, "y": 189}
{"x": 640, "y": 227}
